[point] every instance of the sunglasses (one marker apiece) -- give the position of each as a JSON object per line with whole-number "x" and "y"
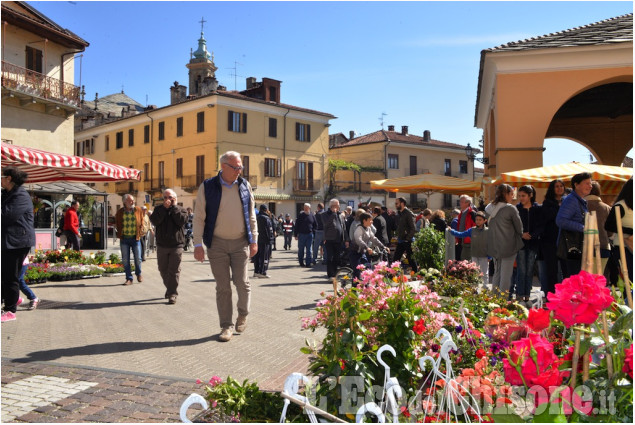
{"x": 240, "y": 167}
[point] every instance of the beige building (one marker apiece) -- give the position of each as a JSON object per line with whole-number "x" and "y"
{"x": 38, "y": 95}
{"x": 284, "y": 147}
{"x": 390, "y": 154}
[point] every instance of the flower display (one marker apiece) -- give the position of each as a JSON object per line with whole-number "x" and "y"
{"x": 579, "y": 299}
{"x": 464, "y": 270}
{"x": 538, "y": 319}
{"x": 628, "y": 361}
{"x": 531, "y": 361}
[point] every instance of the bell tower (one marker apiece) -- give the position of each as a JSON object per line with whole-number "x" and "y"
{"x": 202, "y": 69}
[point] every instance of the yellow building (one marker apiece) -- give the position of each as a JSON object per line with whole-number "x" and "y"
{"x": 284, "y": 147}
{"x": 390, "y": 154}
{"x": 38, "y": 95}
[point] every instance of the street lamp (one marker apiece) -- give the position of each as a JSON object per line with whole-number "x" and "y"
{"x": 471, "y": 155}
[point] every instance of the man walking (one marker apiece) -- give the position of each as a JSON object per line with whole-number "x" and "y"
{"x": 334, "y": 228}
{"x": 129, "y": 223}
{"x": 304, "y": 229}
{"x": 169, "y": 220}
{"x": 405, "y": 233}
{"x": 71, "y": 226}
{"x": 265, "y": 242}
{"x": 225, "y": 221}
{"x": 318, "y": 241}
{"x": 288, "y": 227}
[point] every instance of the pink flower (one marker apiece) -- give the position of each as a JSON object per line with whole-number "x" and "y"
{"x": 628, "y": 361}
{"x": 580, "y": 299}
{"x": 198, "y": 381}
{"x": 534, "y": 359}
{"x": 215, "y": 380}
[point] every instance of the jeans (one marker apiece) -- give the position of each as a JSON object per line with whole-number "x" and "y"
{"x": 133, "y": 244}
{"x": 525, "y": 260}
{"x": 12, "y": 260}
{"x": 317, "y": 242}
{"x": 305, "y": 241}
{"x": 288, "y": 237}
{"x": 23, "y": 286}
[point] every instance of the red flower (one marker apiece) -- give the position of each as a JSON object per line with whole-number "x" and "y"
{"x": 580, "y": 299}
{"x": 534, "y": 357}
{"x": 628, "y": 361}
{"x": 419, "y": 327}
{"x": 342, "y": 364}
{"x": 405, "y": 411}
{"x": 480, "y": 353}
{"x": 538, "y": 319}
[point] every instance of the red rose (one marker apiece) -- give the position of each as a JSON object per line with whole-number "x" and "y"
{"x": 480, "y": 353}
{"x": 419, "y": 327}
{"x": 538, "y": 319}
{"x": 533, "y": 356}
{"x": 628, "y": 361}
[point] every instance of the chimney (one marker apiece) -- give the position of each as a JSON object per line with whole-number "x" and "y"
{"x": 404, "y": 130}
{"x": 426, "y": 136}
{"x": 251, "y": 81}
{"x": 177, "y": 93}
{"x": 391, "y": 128}
{"x": 351, "y": 135}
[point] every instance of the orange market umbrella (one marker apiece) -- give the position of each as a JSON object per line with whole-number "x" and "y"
{"x": 428, "y": 183}
{"x": 610, "y": 177}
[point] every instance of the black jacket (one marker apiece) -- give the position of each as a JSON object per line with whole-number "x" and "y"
{"x": 532, "y": 223}
{"x": 305, "y": 224}
{"x": 381, "y": 232}
{"x": 334, "y": 226}
{"x": 265, "y": 229}
{"x": 17, "y": 219}
{"x": 169, "y": 225}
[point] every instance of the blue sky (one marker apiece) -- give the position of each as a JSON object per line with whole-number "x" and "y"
{"x": 417, "y": 62}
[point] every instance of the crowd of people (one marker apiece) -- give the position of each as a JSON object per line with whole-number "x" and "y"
{"x": 506, "y": 238}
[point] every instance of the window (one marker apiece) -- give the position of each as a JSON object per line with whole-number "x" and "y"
{"x": 119, "y": 143}
{"x": 273, "y": 166}
{"x": 200, "y": 122}
{"x": 179, "y": 167}
{"x": 393, "y": 161}
{"x": 273, "y": 127}
{"x": 304, "y": 176}
{"x": 131, "y": 137}
{"x": 179, "y": 127}
{"x": 245, "y": 172}
{"x": 447, "y": 200}
{"x": 146, "y": 134}
{"x": 146, "y": 172}
{"x": 392, "y": 195}
{"x": 237, "y": 122}
{"x": 107, "y": 143}
{"x": 200, "y": 169}
{"x": 302, "y": 132}
{"x": 34, "y": 59}
{"x": 162, "y": 130}
{"x": 161, "y": 173}
{"x": 273, "y": 94}
{"x": 463, "y": 167}
{"x": 448, "y": 167}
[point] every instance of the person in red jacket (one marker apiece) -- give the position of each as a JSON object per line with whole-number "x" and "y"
{"x": 466, "y": 220}
{"x": 71, "y": 226}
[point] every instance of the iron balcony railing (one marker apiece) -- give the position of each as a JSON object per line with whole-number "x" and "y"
{"x": 306, "y": 185}
{"x": 33, "y": 83}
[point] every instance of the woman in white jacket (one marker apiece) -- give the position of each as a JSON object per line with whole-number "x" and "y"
{"x": 504, "y": 238}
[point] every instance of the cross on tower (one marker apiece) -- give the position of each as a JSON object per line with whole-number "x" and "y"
{"x": 202, "y": 21}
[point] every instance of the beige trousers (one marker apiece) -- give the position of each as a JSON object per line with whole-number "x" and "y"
{"x": 229, "y": 259}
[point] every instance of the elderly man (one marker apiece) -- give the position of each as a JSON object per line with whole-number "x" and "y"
{"x": 129, "y": 222}
{"x": 334, "y": 228}
{"x": 225, "y": 221}
{"x": 169, "y": 220}
{"x": 466, "y": 220}
{"x": 405, "y": 233}
{"x": 304, "y": 230}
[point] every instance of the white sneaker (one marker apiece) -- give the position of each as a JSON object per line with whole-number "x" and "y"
{"x": 264, "y": 276}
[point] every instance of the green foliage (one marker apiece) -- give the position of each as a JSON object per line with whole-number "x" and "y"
{"x": 429, "y": 248}
{"x": 114, "y": 259}
{"x": 340, "y": 164}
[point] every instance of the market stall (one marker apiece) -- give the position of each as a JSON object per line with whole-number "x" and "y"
{"x": 428, "y": 183}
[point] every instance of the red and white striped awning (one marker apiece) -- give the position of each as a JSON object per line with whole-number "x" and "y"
{"x": 43, "y": 166}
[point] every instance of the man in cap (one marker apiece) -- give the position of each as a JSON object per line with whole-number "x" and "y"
{"x": 265, "y": 243}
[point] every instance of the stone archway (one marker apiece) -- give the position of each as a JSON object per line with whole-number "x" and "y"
{"x": 600, "y": 118}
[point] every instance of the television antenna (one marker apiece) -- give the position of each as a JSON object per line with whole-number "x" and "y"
{"x": 381, "y": 119}
{"x": 235, "y": 74}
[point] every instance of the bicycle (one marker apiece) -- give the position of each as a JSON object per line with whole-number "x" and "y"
{"x": 344, "y": 274}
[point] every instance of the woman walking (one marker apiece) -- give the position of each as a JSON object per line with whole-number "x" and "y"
{"x": 549, "y": 239}
{"x": 504, "y": 238}
{"x": 529, "y": 212}
{"x": 18, "y": 236}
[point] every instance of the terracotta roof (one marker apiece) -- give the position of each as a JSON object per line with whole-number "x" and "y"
{"x": 237, "y": 95}
{"x": 396, "y": 137}
{"x": 25, "y": 16}
{"x": 608, "y": 31}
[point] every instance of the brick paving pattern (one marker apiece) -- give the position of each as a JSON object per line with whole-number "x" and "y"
{"x": 142, "y": 355}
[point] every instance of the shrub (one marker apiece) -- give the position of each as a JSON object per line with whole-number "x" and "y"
{"x": 429, "y": 248}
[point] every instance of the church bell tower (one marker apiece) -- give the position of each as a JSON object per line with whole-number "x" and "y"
{"x": 202, "y": 69}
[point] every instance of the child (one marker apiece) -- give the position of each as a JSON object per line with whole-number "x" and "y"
{"x": 478, "y": 234}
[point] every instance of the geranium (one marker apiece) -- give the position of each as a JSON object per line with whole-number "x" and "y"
{"x": 480, "y": 353}
{"x": 579, "y": 299}
{"x": 419, "y": 327}
{"x": 628, "y": 361}
{"x": 538, "y": 319}
{"x": 531, "y": 361}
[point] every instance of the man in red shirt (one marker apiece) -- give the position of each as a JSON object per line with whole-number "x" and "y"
{"x": 71, "y": 226}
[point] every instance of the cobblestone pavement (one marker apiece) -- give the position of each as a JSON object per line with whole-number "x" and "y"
{"x": 98, "y": 351}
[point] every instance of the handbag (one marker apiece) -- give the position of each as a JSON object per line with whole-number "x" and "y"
{"x": 570, "y": 245}
{"x": 59, "y": 232}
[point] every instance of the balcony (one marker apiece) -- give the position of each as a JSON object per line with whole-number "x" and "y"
{"x": 160, "y": 184}
{"x": 27, "y": 86}
{"x": 348, "y": 186}
{"x": 121, "y": 188}
{"x": 306, "y": 186}
{"x": 192, "y": 182}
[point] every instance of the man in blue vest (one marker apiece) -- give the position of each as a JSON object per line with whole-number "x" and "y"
{"x": 225, "y": 222}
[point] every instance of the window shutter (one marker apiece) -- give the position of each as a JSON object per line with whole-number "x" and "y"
{"x": 279, "y": 167}
{"x": 230, "y": 120}
{"x": 297, "y": 131}
{"x": 308, "y": 132}
{"x": 244, "y": 123}
{"x": 266, "y": 167}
